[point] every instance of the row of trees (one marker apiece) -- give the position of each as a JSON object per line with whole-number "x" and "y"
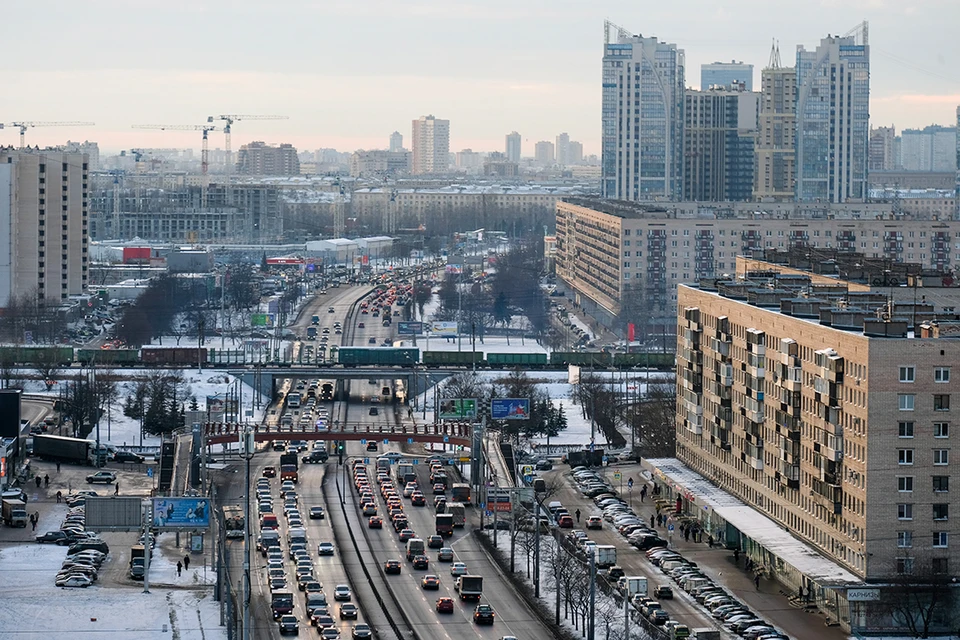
{"x": 158, "y": 400}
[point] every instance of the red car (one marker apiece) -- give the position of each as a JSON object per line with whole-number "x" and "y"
{"x": 269, "y": 472}
{"x": 445, "y": 605}
{"x": 565, "y": 522}
{"x": 375, "y": 522}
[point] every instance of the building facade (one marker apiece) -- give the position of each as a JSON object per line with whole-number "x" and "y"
{"x": 563, "y": 149}
{"x": 368, "y": 164}
{"x": 261, "y": 159}
{"x": 44, "y": 220}
{"x": 642, "y": 119}
{"x": 513, "y": 146}
{"x": 932, "y": 148}
{"x": 718, "y": 144}
{"x": 396, "y": 142}
{"x": 833, "y": 119}
{"x": 431, "y": 145}
{"x": 575, "y": 153}
{"x": 544, "y": 153}
{"x": 883, "y": 145}
{"x": 469, "y": 161}
{"x": 724, "y": 74}
{"x": 776, "y": 154}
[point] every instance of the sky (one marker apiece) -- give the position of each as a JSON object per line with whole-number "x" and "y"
{"x": 350, "y": 72}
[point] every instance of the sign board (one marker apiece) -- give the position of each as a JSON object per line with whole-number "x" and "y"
{"x": 458, "y": 408}
{"x": 454, "y": 268}
{"x": 181, "y": 513}
{"x": 443, "y": 328}
{"x": 262, "y": 319}
{"x": 107, "y": 513}
{"x": 573, "y": 374}
{"x": 464, "y": 459}
{"x": 510, "y": 408}
{"x": 617, "y": 476}
{"x": 863, "y": 595}
{"x": 526, "y": 470}
{"x": 409, "y": 328}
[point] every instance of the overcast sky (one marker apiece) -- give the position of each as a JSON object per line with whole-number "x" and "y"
{"x": 349, "y": 72}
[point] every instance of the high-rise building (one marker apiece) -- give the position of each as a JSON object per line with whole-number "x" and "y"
{"x": 724, "y": 74}
{"x": 543, "y": 153}
{"x": 513, "y": 146}
{"x": 775, "y": 151}
{"x": 396, "y": 142}
{"x": 261, "y": 159}
{"x": 932, "y": 148}
{"x": 43, "y": 239}
{"x": 92, "y": 149}
{"x": 642, "y": 132}
{"x": 882, "y": 149}
{"x": 431, "y": 145}
{"x": 833, "y": 119}
{"x": 575, "y": 154}
{"x": 563, "y": 149}
{"x": 718, "y": 143}
{"x": 469, "y": 160}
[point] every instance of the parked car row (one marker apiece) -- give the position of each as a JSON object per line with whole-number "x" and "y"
{"x": 615, "y": 511}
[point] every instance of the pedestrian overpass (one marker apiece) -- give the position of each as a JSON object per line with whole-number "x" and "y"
{"x": 445, "y": 433}
{"x": 264, "y": 379}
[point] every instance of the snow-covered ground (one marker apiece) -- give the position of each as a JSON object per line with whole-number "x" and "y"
{"x": 35, "y": 609}
{"x": 490, "y": 344}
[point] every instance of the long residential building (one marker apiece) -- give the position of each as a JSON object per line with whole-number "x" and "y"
{"x": 44, "y": 221}
{"x": 825, "y": 406}
{"x": 607, "y": 250}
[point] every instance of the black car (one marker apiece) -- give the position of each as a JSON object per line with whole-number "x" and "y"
{"x": 57, "y": 537}
{"x": 288, "y": 624}
{"x": 127, "y": 456}
{"x": 544, "y": 465}
{"x": 483, "y": 614}
{"x": 88, "y": 545}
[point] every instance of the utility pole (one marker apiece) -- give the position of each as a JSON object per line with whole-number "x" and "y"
{"x": 536, "y": 550}
{"x": 592, "y": 623}
{"x": 248, "y": 449}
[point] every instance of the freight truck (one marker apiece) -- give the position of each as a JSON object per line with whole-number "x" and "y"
{"x": 606, "y": 556}
{"x": 73, "y": 450}
{"x": 461, "y": 493}
{"x": 469, "y": 587}
{"x": 458, "y": 512}
{"x": 289, "y": 466}
{"x": 14, "y": 513}
{"x": 444, "y": 524}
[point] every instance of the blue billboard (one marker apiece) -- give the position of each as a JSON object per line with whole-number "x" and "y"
{"x": 181, "y": 513}
{"x": 510, "y": 408}
{"x": 409, "y": 328}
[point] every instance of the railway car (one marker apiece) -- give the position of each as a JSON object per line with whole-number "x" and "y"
{"x": 581, "y": 358}
{"x": 386, "y": 356}
{"x": 535, "y": 360}
{"x": 174, "y": 355}
{"x": 451, "y": 358}
{"x": 112, "y": 357}
{"x": 37, "y": 355}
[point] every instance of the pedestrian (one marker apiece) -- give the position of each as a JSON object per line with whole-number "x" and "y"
{"x": 116, "y": 490}
{"x": 46, "y": 480}
{"x": 186, "y": 562}
{"x": 179, "y": 568}
{"x": 800, "y": 593}
{"x": 756, "y": 581}
{"x": 710, "y": 541}
{"x": 39, "y": 480}
{"x": 36, "y": 516}
{"x": 59, "y": 497}
{"x": 33, "y": 523}
{"x": 58, "y": 466}
{"x": 736, "y": 556}
{"x": 651, "y": 521}
{"x": 686, "y": 534}
{"x": 577, "y": 513}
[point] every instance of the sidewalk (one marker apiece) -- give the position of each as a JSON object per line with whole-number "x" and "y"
{"x": 769, "y": 601}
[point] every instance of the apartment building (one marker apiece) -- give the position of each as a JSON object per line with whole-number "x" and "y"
{"x": 43, "y": 224}
{"x": 776, "y": 157}
{"x": 261, "y": 159}
{"x": 724, "y": 74}
{"x": 826, "y": 407}
{"x": 512, "y": 146}
{"x": 431, "y": 145}
{"x": 379, "y": 163}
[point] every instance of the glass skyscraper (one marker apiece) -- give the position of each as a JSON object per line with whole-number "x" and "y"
{"x": 642, "y": 138}
{"x": 833, "y": 119}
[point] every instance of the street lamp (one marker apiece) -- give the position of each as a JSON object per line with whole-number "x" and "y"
{"x": 248, "y": 449}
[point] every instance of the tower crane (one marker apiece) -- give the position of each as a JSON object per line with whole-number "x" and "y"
{"x": 204, "y": 153}
{"x": 23, "y": 126}
{"x": 138, "y": 169}
{"x": 339, "y": 222}
{"x": 230, "y": 119}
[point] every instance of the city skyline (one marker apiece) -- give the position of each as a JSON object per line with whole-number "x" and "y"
{"x": 537, "y": 81}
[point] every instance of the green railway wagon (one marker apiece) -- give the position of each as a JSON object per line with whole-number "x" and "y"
{"x": 36, "y": 355}
{"x": 125, "y": 357}
{"x": 583, "y": 359}
{"x": 517, "y": 359}
{"x": 451, "y": 358}
{"x": 651, "y": 360}
{"x": 387, "y": 356}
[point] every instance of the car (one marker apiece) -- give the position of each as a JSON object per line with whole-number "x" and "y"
{"x": 458, "y": 569}
{"x": 127, "y": 456}
{"x": 278, "y": 584}
{"x": 391, "y": 566}
{"x": 361, "y": 325}
{"x": 659, "y": 617}
{"x": 445, "y": 555}
{"x": 322, "y": 620}
{"x": 375, "y": 522}
{"x": 430, "y": 582}
{"x": 104, "y": 477}
{"x": 371, "y": 445}
{"x": 317, "y": 513}
{"x": 74, "y": 581}
{"x": 331, "y": 310}
{"x": 87, "y": 545}
{"x": 325, "y": 549}
{"x": 374, "y": 411}
{"x": 341, "y": 592}
{"x": 361, "y": 632}
{"x": 594, "y": 522}
{"x": 348, "y": 611}
{"x": 418, "y": 499}
{"x": 288, "y": 624}
{"x": 435, "y": 542}
{"x": 330, "y": 633}
{"x": 565, "y": 522}
{"x": 444, "y": 605}
{"x": 421, "y": 562}
{"x": 663, "y": 592}
{"x": 407, "y": 534}
{"x": 483, "y": 614}
{"x": 57, "y": 537}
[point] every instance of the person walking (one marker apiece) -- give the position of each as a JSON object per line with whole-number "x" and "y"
{"x": 577, "y": 513}
{"x": 756, "y": 581}
{"x": 736, "y": 556}
{"x": 651, "y": 521}
{"x": 33, "y": 522}
{"x": 116, "y": 490}
{"x": 46, "y": 480}
{"x": 186, "y": 562}
{"x": 179, "y": 568}
{"x": 58, "y": 466}
{"x": 59, "y": 497}
{"x": 39, "y": 480}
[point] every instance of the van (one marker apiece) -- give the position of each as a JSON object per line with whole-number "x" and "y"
{"x": 414, "y": 548}
{"x": 297, "y": 535}
{"x": 553, "y": 506}
{"x": 269, "y": 521}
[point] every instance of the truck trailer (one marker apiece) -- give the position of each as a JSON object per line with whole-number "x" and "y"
{"x": 459, "y": 513}
{"x": 14, "y": 513}
{"x": 72, "y": 450}
{"x": 469, "y": 587}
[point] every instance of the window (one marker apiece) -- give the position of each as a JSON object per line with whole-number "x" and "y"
{"x": 905, "y": 456}
{"x": 941, "y": 484}
{"x": 941, "y": 374}
{"x": 941, "y": 402}
{"x": 940, "y": 539}
{"x": 905, "y": 539}
{"x": 904, "y": 511}
{"x": 941, "y": 457}
{"x": 904, "y": 483}
{"x": 904, "y": 566}
{"x": 907, "y": 374}
{"x": 940, "y": 566}
{"x": 906, "y": 429}
{"x": 906, "y": 402}
{"x": 941, "y": 429}
{"x": 941, "y": 511}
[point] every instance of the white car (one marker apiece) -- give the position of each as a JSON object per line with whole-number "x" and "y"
{"x": 458, "y": 569}
{"x": 341, "y": 592}
{"x": 75, "y": 581}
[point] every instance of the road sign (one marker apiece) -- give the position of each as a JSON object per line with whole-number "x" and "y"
{"x": 630, "y": 483}
{"x": 385, "y": 441}
{"x": 605, "y": 459}
{"x": 446, "y": 438}
{"x": 670, "y": 528}
{"x": 415, "y": 461}
{"x": 489, "y": 514}
{"x": 409, "y": 440}
{"x": 149, "y": 472}
{"x": 528, "y": 479}
{"x": 366, "y": 461}
{"x": 458, "y": 408}
{"x": 464, "y": 459}
{"x": 617, "y": 475}
{"x": 592, "y": 446}
{"x": 483, "y": 505}
{"x": 363, "y": 441}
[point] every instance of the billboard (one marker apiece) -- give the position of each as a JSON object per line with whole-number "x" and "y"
{"x": 262, "y": 319}
{"x": 510, "y": 408}
{"x": 114, "y": 513}
{"x": 454, "y": 269}
{"x": 443, "y": 328}
{"x": 458, "y": 408}
{"x": 409, "y": 328}
{"x": 10, "y": 413}
{"x": 181, "y": 513}
{"x": 220, "y": 403}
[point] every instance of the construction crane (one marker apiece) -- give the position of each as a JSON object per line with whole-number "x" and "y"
{"x": 23, "y": 126}
{"x": 204, "y": 155}
{"x": 138, "y": 169}
{"x": 339, "y": 222}
{"x": 227, "y": 128}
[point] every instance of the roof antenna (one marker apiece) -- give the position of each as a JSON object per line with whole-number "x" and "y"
{"x": 774, "y": 55}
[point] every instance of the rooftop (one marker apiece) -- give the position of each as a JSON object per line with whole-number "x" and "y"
{"x": 620, "y": 208}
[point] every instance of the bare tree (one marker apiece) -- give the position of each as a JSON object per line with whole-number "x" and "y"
{"x": 47, "y": 366}
{"x": 921, "y": 597}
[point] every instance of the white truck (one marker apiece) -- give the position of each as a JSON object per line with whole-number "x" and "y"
{"x": 14, "y": 513}
{"x": 469, "y": 587}
{"x": 606, "y": 556}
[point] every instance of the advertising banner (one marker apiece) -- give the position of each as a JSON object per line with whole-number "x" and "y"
{"x": 181, "y": 513}
{"x": 409, "y": 328}
{"x": 262, "y": 319}
{"x": 510, "y": 408}
{"x": 458, "y": 408}
{"x": 443, "y": 328}
{"x": 454, "y": 269}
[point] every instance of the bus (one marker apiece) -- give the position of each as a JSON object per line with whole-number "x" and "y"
{"x": 233, "y": 521}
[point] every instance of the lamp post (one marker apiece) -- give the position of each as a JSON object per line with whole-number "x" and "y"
{"x": 248, "y": 449}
